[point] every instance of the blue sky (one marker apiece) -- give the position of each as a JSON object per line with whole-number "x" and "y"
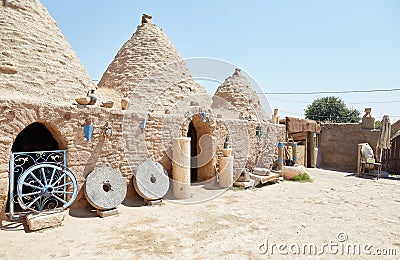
{"x": 286, "y": 45}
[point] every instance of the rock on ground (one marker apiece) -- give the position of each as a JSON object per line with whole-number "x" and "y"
{"x": 44, "y": 220}
{"x": 289, "y": 172}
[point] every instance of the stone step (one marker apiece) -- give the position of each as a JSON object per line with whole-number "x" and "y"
{"x": 272, "y": 177}
{"x": 261, "y": 171}
{"x": 37, "y": 221}
{"x": 245, "y": 185}
{"x": 107, "y": 212}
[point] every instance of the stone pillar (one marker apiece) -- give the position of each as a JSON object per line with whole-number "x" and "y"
{"x": 275, "y": 117}
{"x": 295, "y": 157}
{"x": 315, "y": 158}
{"x": 368, "y": 121}
{"x": 226, "y": 171}
{"x": 181, "y": 167}
{"x": 280, "y": 156}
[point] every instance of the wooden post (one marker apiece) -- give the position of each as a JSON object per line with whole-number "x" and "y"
{"x": 280, "y": 156}
{"x": 295, "y": 157}
{"x": 181, "y": 167}
{"x": 226, "y": 171}
{"x": 359, "y": 159}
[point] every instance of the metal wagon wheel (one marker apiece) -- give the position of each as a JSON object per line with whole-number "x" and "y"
{"x": 45, "y": 187}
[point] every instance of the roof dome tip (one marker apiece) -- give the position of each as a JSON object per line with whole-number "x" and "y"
{"x": 146, "y": 18}
{"x": 237, "y": 72}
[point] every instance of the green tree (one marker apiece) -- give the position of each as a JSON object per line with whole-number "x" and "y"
{"x": 331, "y": 109}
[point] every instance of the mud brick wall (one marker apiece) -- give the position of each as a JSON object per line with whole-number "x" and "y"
{"x": 338, "y": 145}
{"x": 395, "y": 128}
{"x": 247, "y": 149}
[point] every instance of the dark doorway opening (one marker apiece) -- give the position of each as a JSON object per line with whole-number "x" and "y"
{"x": 33, "y": 145}
{"x": 35, "y": 137}
{"x": 192, "y": 133}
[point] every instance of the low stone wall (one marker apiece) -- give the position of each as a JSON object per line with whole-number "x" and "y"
{"x": 338, "y": 145}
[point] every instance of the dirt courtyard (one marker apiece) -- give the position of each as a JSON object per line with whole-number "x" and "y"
{"x": 335, "y": 208}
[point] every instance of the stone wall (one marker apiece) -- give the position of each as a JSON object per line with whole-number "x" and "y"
{"x": 338, "y": 145}
{"x": 248, "y": 151}
{"x": 65, "y": 123}
{"x": 129, "y": 145}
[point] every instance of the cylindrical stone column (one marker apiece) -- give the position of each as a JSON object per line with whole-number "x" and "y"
{"x": 226, "y": 171}
{"x": 280, "y": 156}
{"x": 314, "y": 149}
{"x": 181, "y": 167}
{"x": 295, "y": 157}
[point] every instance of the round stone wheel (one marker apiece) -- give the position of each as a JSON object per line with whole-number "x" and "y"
{"x": 151, "y": 180}
{"x": 105, "y": 188}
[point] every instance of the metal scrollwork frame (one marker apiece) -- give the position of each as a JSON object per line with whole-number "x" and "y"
{"x": 36, "y": 181}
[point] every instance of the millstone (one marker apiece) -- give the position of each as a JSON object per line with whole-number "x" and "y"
{"x": 151, "y": 180}
{"x": 105, "y": 188}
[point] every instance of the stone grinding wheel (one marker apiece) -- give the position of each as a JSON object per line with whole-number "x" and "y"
{"x": 105, "y": 188}
{"x": 151, "y": 181}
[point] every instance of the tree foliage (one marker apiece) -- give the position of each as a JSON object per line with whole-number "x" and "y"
{"x": 331, "y": 109}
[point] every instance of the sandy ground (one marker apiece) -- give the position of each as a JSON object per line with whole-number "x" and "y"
{"x": 233, "y": 225}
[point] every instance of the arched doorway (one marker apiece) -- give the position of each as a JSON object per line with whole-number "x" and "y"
{"x": 35, "y": 137}
{"x": 192, "y": 133}
{"x": 202, "y": 150}
{"x": 34, "y": 145}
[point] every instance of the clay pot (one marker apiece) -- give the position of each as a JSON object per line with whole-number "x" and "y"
{"x": 83, "y": 101}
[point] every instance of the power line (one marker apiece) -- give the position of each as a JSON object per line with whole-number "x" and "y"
{"x": 357, "y": 103}
{"x": 303, "y": 114}
{"x": 330, "y": 92}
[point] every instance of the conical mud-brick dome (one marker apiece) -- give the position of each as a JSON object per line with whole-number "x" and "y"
{"x": 36, "y": 61}
{"x": 236, "y": 94}
{"x": 147, "y": 51}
